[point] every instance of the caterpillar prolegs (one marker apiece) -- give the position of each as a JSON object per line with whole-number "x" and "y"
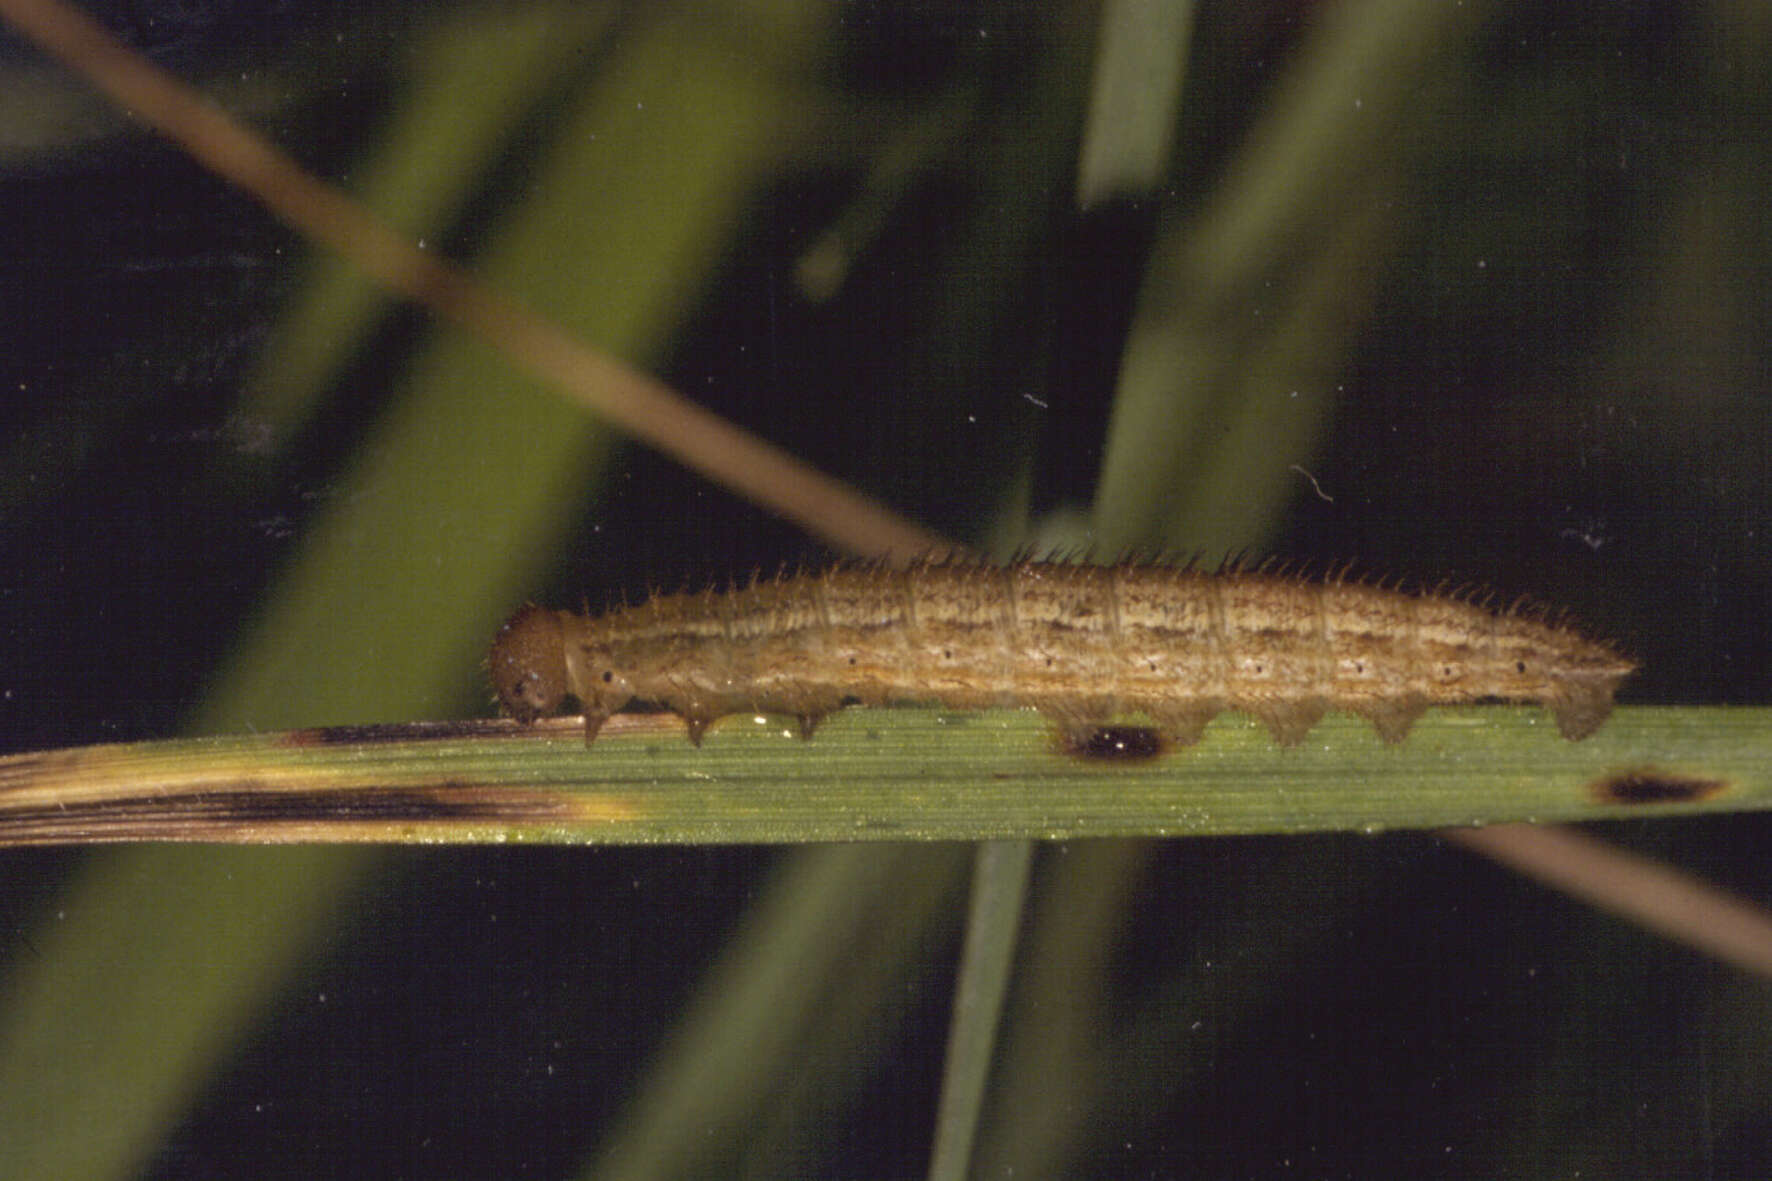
{"x": 1084, "y": 645}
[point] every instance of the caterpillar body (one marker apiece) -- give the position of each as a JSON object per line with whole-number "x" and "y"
{"x": 1084, "y": 645}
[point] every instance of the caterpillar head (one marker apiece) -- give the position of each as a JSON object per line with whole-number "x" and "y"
{"x": 528, "y": 663}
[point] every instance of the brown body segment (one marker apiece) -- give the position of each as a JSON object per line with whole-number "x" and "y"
{"x": 1084, "y": 645}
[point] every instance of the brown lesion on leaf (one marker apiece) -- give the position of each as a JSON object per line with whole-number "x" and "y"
{"x": 250, "y": 809}
{"x": 385, "y": 732}
{"x": 1652, "y": 785}
{"x": 1115, "y": 744}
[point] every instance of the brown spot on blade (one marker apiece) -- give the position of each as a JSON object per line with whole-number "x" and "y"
{"x": 1651, "y": 785}
{"x": 1118, "y": 744}
{"x": 247, "y": 810}
{"x": 405, "y": 732}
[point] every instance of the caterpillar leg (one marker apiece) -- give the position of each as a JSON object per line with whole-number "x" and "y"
{"x": 1392, "y": 719}
{"x": 698, "y": 724}
{"x": 1290, "y": 720}
{"x": 1183, "y": 725}
{"x": 1582, "y": 710}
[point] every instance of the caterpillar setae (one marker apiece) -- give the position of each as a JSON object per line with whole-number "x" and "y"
{"x": 1084, "y": 645}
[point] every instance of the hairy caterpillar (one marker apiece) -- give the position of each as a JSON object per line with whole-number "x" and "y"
{"x": 1084, "y": 645}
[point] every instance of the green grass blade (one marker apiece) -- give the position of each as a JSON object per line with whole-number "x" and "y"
{"x": 882, "y": 775}
{"x": 156, "y": 968}
{"x": 999, "y": 889}
{"x": 473, "y": 77}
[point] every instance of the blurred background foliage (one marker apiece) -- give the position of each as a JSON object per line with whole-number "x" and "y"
{"x": 1470, "y": 291}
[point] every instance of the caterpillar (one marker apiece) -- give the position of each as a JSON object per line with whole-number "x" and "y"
{"x": 1084, "y": 645}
